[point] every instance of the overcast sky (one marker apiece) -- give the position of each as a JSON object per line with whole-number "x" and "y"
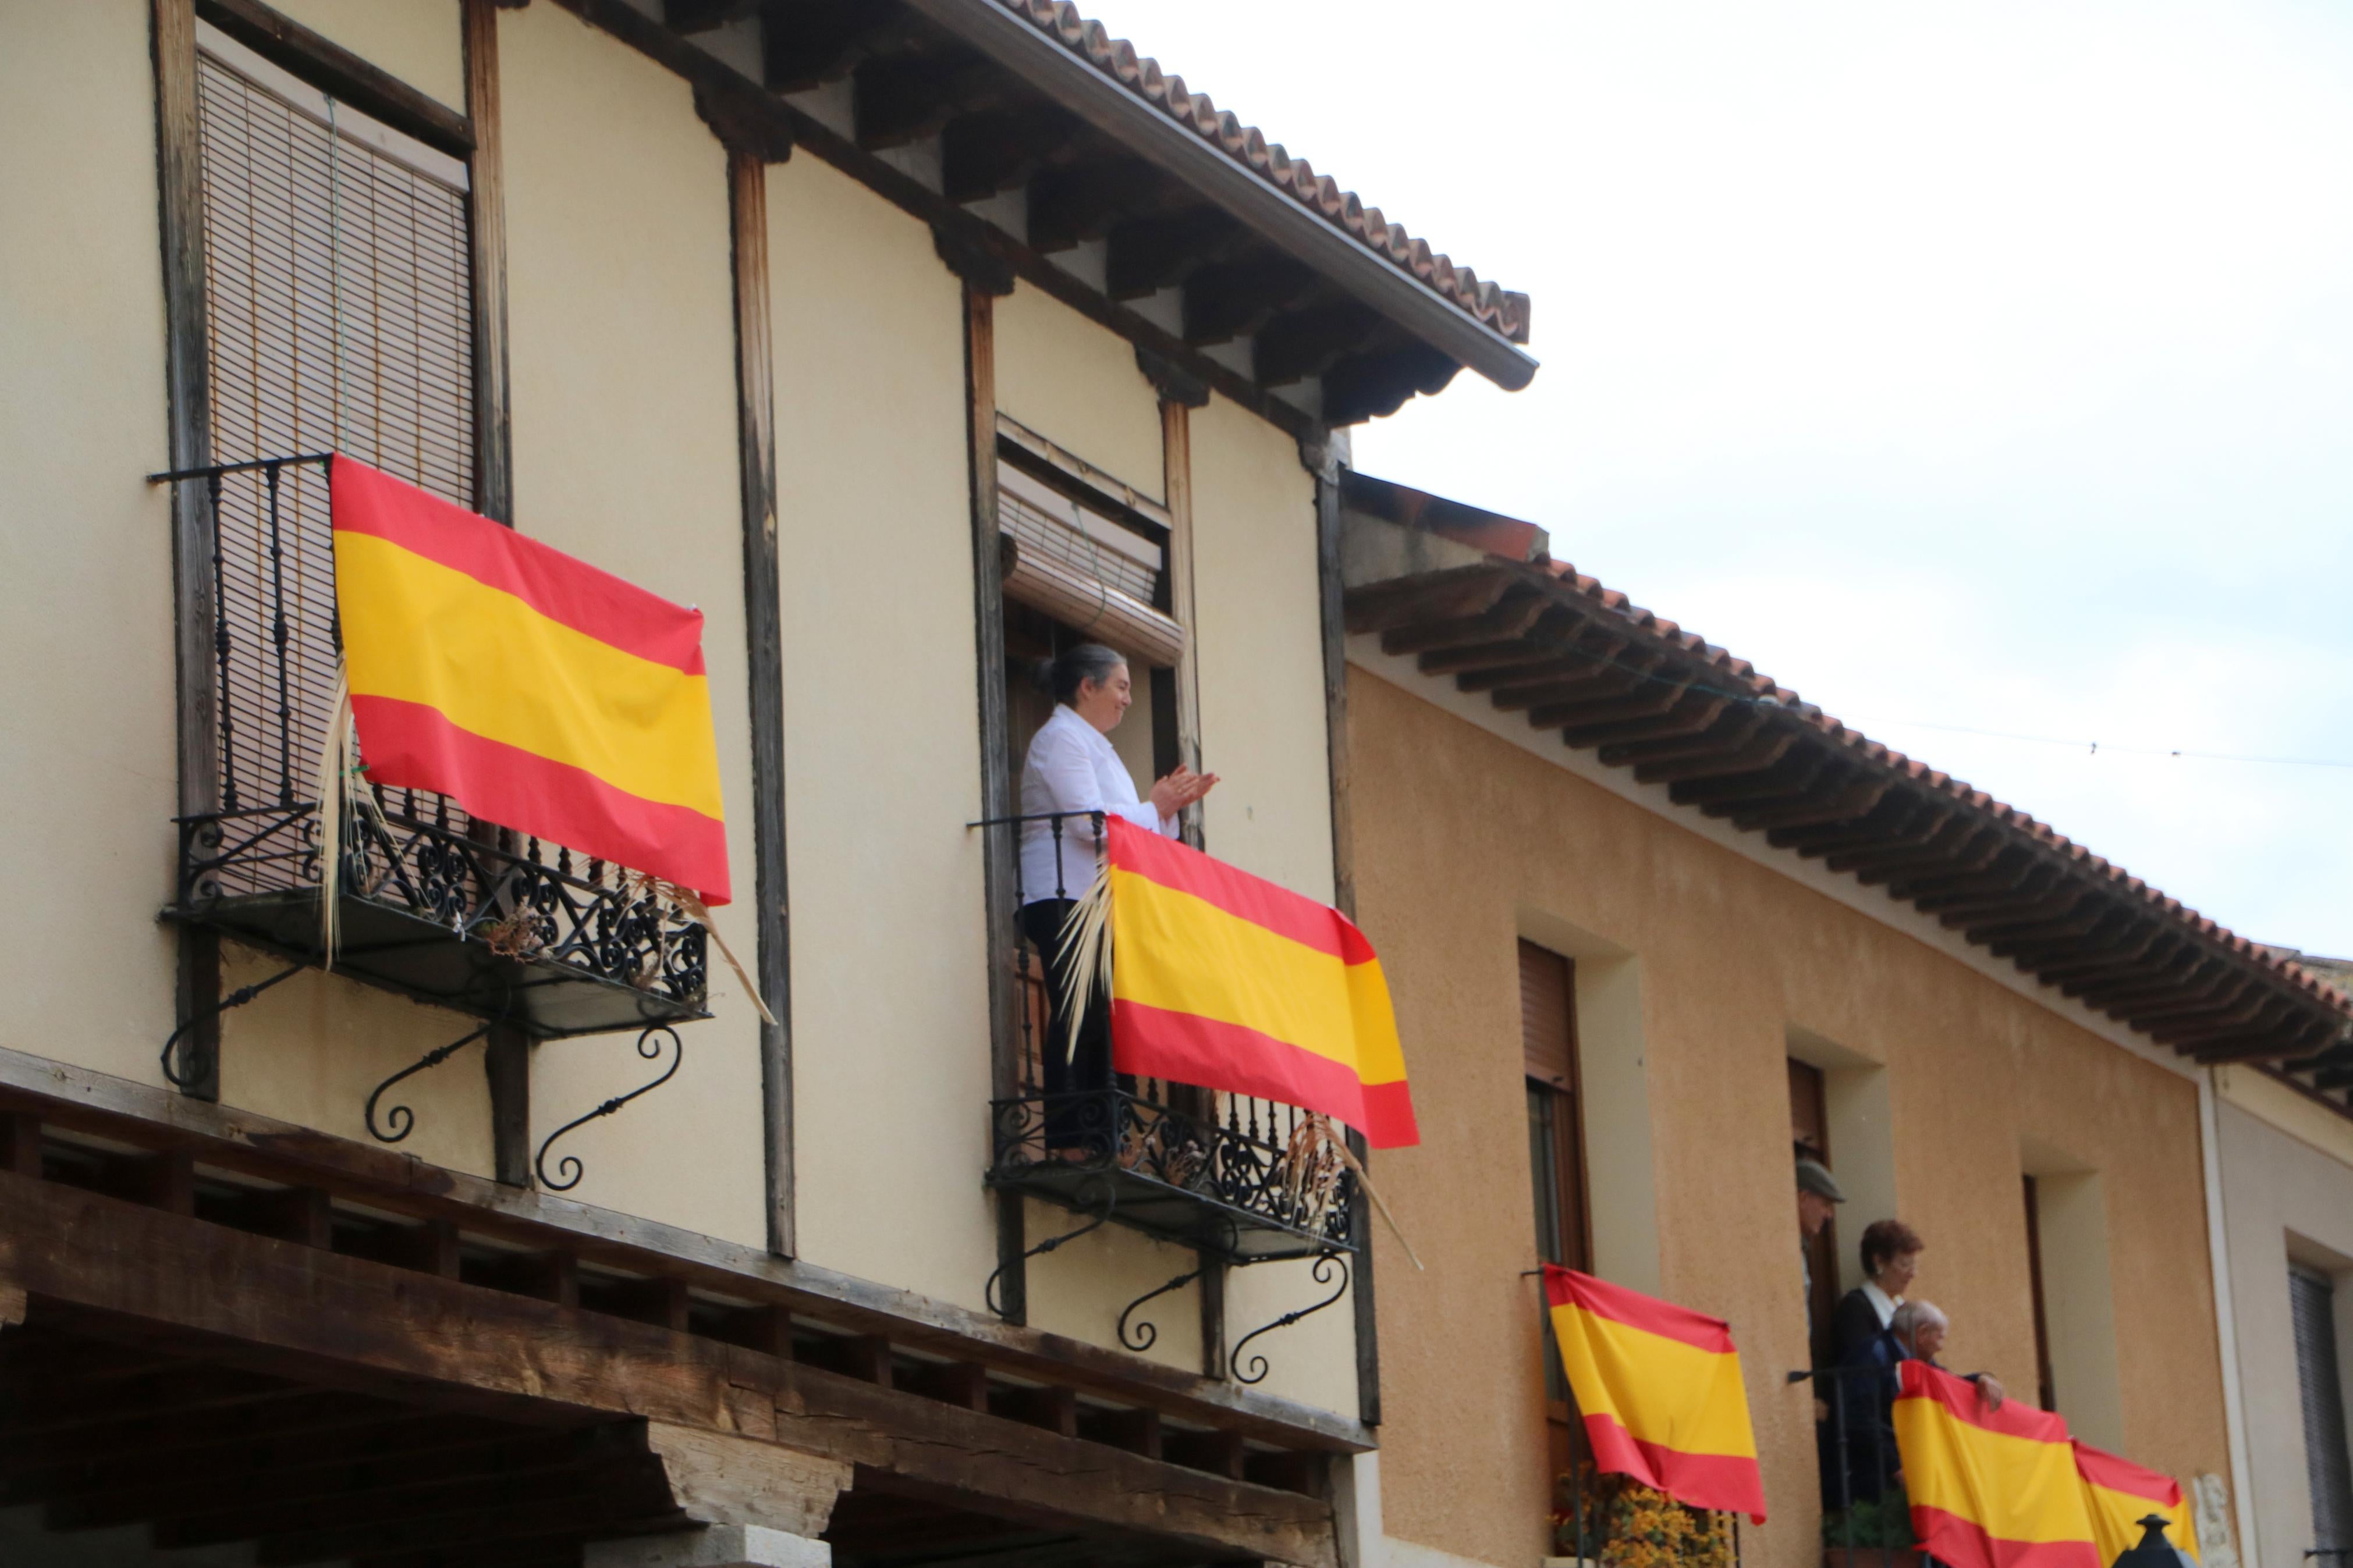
{"x": 1965, "y": 368}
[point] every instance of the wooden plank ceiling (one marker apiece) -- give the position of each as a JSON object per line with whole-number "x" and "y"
{"x": 1642, "y": 694}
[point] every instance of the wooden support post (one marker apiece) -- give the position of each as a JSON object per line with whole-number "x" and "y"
{"x": 985, "y": 278}
{"x": 430, "y": 1247}
{"x": 1326, "y": 466}
{"x": 755, "y": 425}
{"x": 187, "y": 372}
{"x": 166, "y": 1181}
{"x": 1136, "y": 1431}
{"x": 507, "y": 1060}
{"x": 301, "y": 1214}
{"x": 1055, "y": 1409}
{"x": 1219, "y": 1453}
{"x": 659, "y": 1301}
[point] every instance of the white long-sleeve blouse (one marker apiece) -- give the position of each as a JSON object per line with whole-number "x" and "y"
{"x": 1071, "y": 767}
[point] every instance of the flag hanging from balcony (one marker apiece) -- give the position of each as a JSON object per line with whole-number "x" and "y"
{"x": 1989, "y": 1489}
{"x": 535, "y": 690}
{"x": 1224, "y": 980}
{"x": 1659, "y": 1387}
{"x": 2119, "y": 1494}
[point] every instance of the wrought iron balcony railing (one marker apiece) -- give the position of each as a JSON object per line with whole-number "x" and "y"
{"x": 1242, "y": 1179}
{"x": 431, "y": 903}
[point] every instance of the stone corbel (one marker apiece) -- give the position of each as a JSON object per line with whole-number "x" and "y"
{"x": 753, "y": 1504}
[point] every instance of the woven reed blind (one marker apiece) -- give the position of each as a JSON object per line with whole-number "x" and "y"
{"x": 338, "y": 298}
{"x": 2327, "y": 1463}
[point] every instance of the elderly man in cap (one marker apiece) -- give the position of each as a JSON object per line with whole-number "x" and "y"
{"x": 1819, "y": 1196}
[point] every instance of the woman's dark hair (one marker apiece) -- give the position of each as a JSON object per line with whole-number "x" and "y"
{"x": 1060, "y": 676}
{"x": 1887, "y": 1238}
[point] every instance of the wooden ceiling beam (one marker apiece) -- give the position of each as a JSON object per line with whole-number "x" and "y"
{"x": 704, "y": 15}
{"x": 901, "y": 98}
{"x": 1457, "y": 591}
{"x": 2262, "y": 1012}
{"x": 1974, "y": 848}
{"x": 1072, "y": 203}
{"x": 1789, "y": 775}
{"x": 1648, "y": 696}
{"x": 1939, "y": 836}
{"x": 1735, "y": 728}
{"x": 986, "y": 153}
{"x": 1899, "y": 813}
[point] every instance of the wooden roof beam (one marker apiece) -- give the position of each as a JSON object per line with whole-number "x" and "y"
{"x": 2145, "y": 937}
{"x": 2260, "y": 1011}
{"x": 1374, "y": 385}
{"x": 1505, "y": 621}
{"x": 1693, "y": 711}
{"x": 1971, "y": 850}
{"x": 902, "y": 98}
{"x": 1899, "y": 813}
{"x": 2075, "y": 917}
{"x": 1404, "y": 601}
{"x": 1858, "y": 797}
{"x": 1937, "y": 841}
{"x": 1144, "y": 255}
{"x": 2197, "y": 978}
{"x": 1736, "y": 728}
{"x": 1716, "y": 794}
{"x": 986, "y": 154}
{"x": 2296, "y": 1039}
{"x": 704, "y": 15}
{"x": 1235, "y": 297}
{"x": 1081, "y": 200}
{"x": 1654, "y": 693}
{"x": 1300, "y": 344}
{"x": 2019, "y": 884}
{"x": 808, "y": 45}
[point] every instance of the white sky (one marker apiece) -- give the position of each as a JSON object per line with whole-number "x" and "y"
{"x": 1988, "y": 367}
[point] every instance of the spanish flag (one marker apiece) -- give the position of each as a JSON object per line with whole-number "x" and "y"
{"x": 534, "y": 689}
{"x": 1989, "y": 1489}
{"x": 2119, "y": 1494}
{"x": 1224, "y": 980}
{"x": 1658, "y": 1386}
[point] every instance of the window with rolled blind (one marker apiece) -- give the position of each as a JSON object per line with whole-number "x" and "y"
{"x": 339, "y": 318}
{"x": 2328, "y": 1464}
{"x": 1087, "y": 571}
{"x": 1555, "y": 1153}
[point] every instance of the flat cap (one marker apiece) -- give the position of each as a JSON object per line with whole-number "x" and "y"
{"x": 1813, "y": 1176}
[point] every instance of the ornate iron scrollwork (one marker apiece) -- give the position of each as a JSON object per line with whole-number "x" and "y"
{"x": 1324, "y": 1266}
{"x": 1146, "y": 1335}
{"x": 400, "y": 1120}
{"x": 1087, "y": 1198}
{"x": 648, "y": 1047}
{"x": 237, "y": 998}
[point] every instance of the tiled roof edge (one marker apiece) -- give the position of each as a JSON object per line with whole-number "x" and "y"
{"x": 1501, "y": 310}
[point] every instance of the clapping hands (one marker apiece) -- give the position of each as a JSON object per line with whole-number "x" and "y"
{"x": 1180, "y": 788}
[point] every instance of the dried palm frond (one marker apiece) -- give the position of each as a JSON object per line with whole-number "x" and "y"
{"x": 1310, "y": 1168}
{"x": 691, "y": 903}
{"x": 1086, "y": 946}
{"x": 342, "y": 787}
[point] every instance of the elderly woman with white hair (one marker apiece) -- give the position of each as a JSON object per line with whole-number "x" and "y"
{"x": 1920, "y": 1326}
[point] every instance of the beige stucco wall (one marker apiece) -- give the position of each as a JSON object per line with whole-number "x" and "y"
{"x": 1459, "y": 834}
{"x": 881, "y": 740}
{"x": 1076, "y": 384}
{"x": 2287, "y": 1194}
{"x": 620, "y": 308}
{"x": 88, "y": 773}
{"x": 422, "y": 42}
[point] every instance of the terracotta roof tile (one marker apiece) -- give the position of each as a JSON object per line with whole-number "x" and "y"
{"x": 1501, "y": 310}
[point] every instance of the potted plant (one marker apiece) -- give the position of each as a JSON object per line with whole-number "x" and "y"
{"x": 1874, "y": 1534}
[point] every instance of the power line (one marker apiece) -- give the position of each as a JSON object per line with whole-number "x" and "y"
{"x": 2094, "y": 748}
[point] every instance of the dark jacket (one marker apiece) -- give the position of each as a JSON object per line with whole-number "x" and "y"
{"x": 1864, "y": 1405}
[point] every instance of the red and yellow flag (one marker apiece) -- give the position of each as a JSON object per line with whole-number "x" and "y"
{"x": 535, "y": 690}
{"x": 1658, "y": 1386}
{"x": 1224, "y": 980}
{"x": 2119, "y": 1494}
{"x": 1989, "y": 1489}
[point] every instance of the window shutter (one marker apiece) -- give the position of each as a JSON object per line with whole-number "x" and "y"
{"x": 2327, "y": 1461}
{"x": 1084, "y": 569}
{"x": 1547, "y": 1017}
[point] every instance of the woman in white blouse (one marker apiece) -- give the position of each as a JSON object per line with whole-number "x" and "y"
{"x": 1071, "y": 768}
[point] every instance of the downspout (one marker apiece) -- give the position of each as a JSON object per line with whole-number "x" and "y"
{"x": 2218, "y": 1252}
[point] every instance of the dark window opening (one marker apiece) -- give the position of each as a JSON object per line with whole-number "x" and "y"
{"x": 1809, "y": 1132}
{"x": 1556, "y": 1158}
{"x": 2046, "y": 1386}
{"x": 2328, "y": 1465}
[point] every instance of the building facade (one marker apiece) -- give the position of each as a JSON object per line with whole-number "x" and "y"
{"x": 908, "y": 343}
{"x": 1651, "y": 921}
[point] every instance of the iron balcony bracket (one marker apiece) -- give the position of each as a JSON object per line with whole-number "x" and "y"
{"x": 1148, "y": 1335}
{"x": 1325, "y": 1267}
{"x": 237, "y": 998}
{"x": 1110, "y": 1201}
{"x": 399, "y": 1121}
{"x": 650, "y": 1050}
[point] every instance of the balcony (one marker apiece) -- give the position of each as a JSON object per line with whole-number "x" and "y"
{"x": 431, "y": 903}
{"x": 1241, "y": 1180}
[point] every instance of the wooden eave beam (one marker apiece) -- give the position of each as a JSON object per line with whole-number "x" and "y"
{"x": 1375, "y": 384}
{"x": 2261, "y": 1012}
{"x": 1298, "y": 345}
{"x": 1652, "y": 695}
{"x": 1898, "y": 814}
{"x": 1758, "y": 753}
{"x": 1505, "y": 621}
{"x": 2234, "y": 992}
{"x": 986, "y": 153}
{"x": 706, "y": 15}
{"x": 1693, "y": 711}
{"x": 2195, "y": 980}
{"x": 2017, "y": 887}
{"x": 1857, "y": 798}
{"x": 902, "y": 98}
{"x": 1716, "y": 794}
{"x": 1974, "y": 848}
{"x": 1453, "y": 591}
{"x": 2145, "y": 939}
{"x": 1596, "y": 682}
{"x": 813, "y": 42}
{"x": 1942, "y": 834}
{"x": 1738, "y": 726}
{"x": 2072, "y": 917}
{"x": 1234, "y": 298}
{"x": 237, "y": 1142}
{"x": 1144, "y": 255}
{"x": 1073, "y": 203}
{"x": 1563, "y": 639}
{"x": 302, "y": 1310}
{"x": 2289, "y": 1042}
